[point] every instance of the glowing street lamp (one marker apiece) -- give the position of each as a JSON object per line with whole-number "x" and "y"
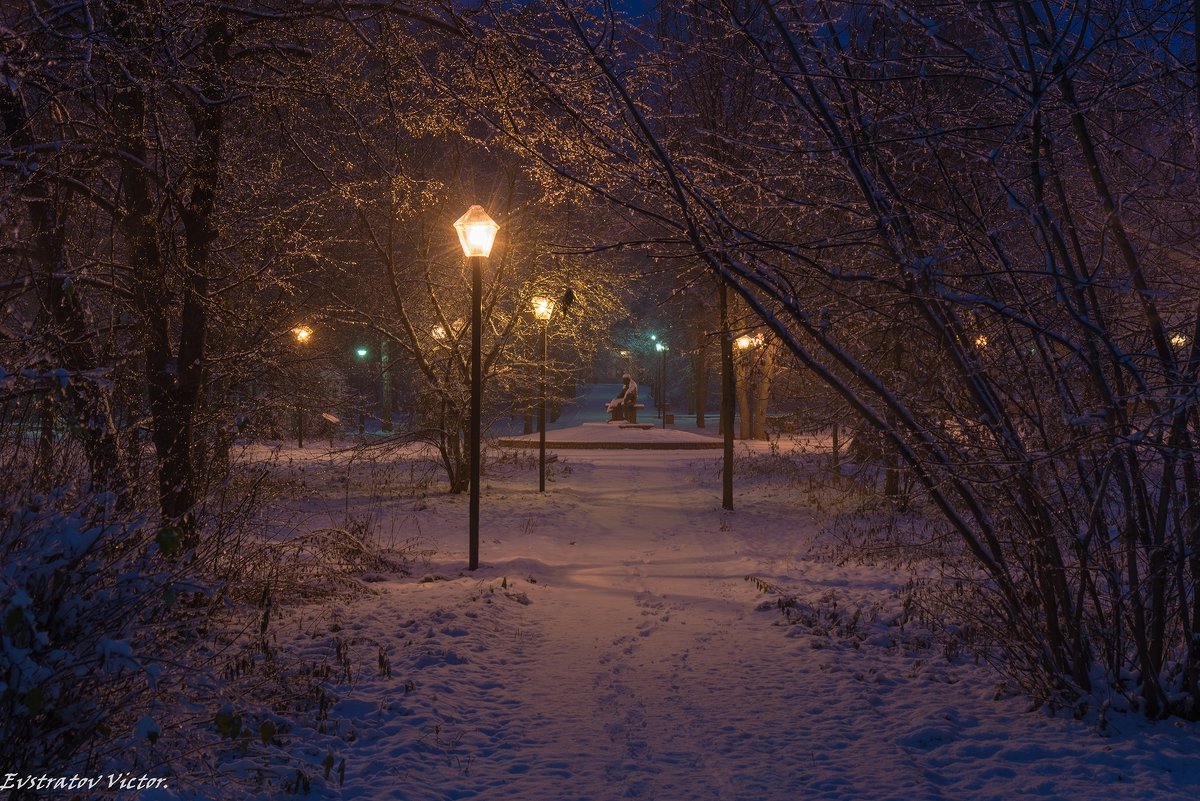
{"x": 745, "y": 341}
{"x": 543, "y": 310}
{"x": 744, "y": 344}
{"x": 303, "y": 335}
{"x": 476, "y": 233}
{"x": 662, "y": 349}
{"x": 361, "y": 352}
{"x": 440, "y": 333}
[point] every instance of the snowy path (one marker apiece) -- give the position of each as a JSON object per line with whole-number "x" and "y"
{"x": 636, "y": 654}
{"x": 609, "y": 647}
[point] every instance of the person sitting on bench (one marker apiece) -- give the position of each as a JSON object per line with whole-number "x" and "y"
{"x": 624, "y": 406}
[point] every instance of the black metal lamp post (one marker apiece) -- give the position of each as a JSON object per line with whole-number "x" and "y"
{"x": 362, "y": 352}
{"x": 303, "y": 334}
{"x": 476, "y": 233}
{"x": 662, "y": 349}
{"x": 543, "y": 310}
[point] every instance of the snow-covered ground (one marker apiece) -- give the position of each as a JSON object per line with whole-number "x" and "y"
{"x": 611, "y": 647}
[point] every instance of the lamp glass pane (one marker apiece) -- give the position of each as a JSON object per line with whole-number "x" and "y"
{"x": 476, "y": 232}
{"x": 543, "y": 308}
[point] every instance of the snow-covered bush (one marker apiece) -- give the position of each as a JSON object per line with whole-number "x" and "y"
{"x": 81, "y": 592}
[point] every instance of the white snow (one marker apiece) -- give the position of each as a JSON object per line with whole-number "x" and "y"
{"x": 611, "y": 647}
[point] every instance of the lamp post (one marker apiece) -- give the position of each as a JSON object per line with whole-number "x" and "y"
{"x": 385, "y": 382}
{"x": 543, "y": 310}
{"x": 661, "y": 347}
{"x": 476, "y": 233}
{"x": 744, "y": 344}
{"x": 303, "y": 334}
{"x": 657, "y": 393}
{"x": 727, "y": 398}
{"x": 362, "y": 352}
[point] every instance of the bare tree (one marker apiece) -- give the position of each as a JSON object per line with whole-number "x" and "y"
{"x": 963, "y": 219}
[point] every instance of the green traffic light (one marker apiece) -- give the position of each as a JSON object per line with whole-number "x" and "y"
{"x": 362, "y": 353}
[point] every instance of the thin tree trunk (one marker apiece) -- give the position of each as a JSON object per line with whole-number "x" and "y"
{"x": 762, "y": 390}
{"x": 727, "y": 401}
{"x": 385, "y": 379}
{"x": 745, "y": 412}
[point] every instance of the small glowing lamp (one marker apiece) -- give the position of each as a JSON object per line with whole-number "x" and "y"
{"x": 543, "y": 308}
{"x": 476, "y": 232}
{"x": 302, "y": 333}
{"x": 361, "y": 351}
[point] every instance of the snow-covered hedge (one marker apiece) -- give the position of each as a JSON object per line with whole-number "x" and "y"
{"x": 79, "y": 593}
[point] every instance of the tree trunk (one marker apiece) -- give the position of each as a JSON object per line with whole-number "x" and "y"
{"x": 385, "y": 379}
{"x": 67, "y": 335}
{"x": 727, "y": 401}
{"x": 762, "y": 390}
{"x": 835, "y": 461}
{"x": 174, "y": 380}
{"x": 745, "y": 413}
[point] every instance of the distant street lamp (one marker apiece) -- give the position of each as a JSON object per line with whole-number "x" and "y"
{"x": 662, "y": 349}
{"x": 441, "y": 334}
{"x": 744, "y": 344}
{"x": 476, "y": 233}
{"x": 362, "y": 352}
{"x": 303, "y": 335}
{"x": 543, "y": 310}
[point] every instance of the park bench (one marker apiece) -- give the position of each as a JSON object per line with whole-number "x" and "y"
{"x": 623, "y": 413}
